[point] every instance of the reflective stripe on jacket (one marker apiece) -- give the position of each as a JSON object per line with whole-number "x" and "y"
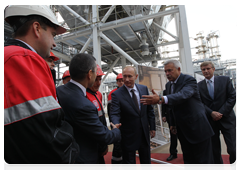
{"x": 96, "y": 99}
{"x": 34, "y": 126}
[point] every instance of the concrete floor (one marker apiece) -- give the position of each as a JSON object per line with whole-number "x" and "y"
{"x": 165, "y": 148}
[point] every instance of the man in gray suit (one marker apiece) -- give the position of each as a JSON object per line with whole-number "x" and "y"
{"x": 219, "y": 97}
{"x": 187, "y": 115}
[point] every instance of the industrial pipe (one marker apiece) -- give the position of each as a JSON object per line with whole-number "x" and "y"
{"x": 118, "y": 49}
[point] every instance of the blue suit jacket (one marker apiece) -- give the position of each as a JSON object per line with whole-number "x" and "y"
{"x": 134, "y": 123}
{"x": 89, "y": 132}
{"x": 188, "y": 112}
{"x": 223, "y": 102}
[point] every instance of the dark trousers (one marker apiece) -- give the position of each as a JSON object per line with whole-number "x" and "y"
{"x": 117, "y": 153}
{"x": 229, "y": 136}
{"x": 173, "y": 143}
{"x": 129, "y": 157}
{"x": 200, "y": 153}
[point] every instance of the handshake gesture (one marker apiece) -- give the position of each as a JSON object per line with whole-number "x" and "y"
{"x": 116, "y": 125}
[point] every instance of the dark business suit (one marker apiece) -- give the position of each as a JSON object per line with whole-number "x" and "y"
{"x": 89, "y": 132}
{"x": 188, "y": 114}
{"x": 223, "y": 102}
{"x": 135, "y": 125}
{"x": 173, "y": 137}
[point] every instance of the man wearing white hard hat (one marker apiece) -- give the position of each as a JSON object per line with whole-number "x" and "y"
{"x": 35, "y": 131}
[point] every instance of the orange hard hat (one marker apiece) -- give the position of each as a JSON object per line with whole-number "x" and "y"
{"x": 99, "y": 71}
{"x": 53, "y": 56}
{"x": 66, "y": 74}
{"x": 119, "y": 76}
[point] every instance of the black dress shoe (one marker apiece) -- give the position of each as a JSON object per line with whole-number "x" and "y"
{"x": 171, "y": 157}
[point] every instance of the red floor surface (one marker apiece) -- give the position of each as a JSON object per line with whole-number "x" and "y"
{"x": 163, "y": 157}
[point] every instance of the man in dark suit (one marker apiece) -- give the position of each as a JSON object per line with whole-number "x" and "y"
{"x": 138, "y": 121}
{"x": 219, "y": 97}
{"x": 81, "y": 113}
{"x": 173, "y": 137}
{"x": 188, "y": 114}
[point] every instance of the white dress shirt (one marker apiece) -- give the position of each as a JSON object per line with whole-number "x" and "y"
{"x": 80, "y": 86}
{"x": 27, "y": 45}
{"x": 165, "y": 97}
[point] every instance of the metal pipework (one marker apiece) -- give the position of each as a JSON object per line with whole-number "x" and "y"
{"x": 115, "y": 24}
{"x": 86, "y": 44}
{"x": 76, "y": 14}
{"x": 110, "y": 69}
{"x": 163, "y": 29}
{"x": 118, "y": 49}
{"x": 135, "y": 19}
{"x": 108, "y": 13}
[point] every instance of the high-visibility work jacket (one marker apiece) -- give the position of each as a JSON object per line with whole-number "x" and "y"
{"x": 96, "y": 99}
{"x": 34, "y": 126}
{"x": 109, "y": 103}
{"x": 110, "y": 95}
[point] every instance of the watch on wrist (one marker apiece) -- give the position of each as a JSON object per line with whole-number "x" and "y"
{"x": 160, "y": 98}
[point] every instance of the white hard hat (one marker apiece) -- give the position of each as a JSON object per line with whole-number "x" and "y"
{"x": 25, "y": 10}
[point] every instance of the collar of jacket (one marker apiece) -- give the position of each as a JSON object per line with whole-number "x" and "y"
{"x": 90, "y": 91}
{"x": 17, "y": 43}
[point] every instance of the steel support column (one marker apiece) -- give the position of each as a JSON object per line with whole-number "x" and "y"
{"x": 184, "y": 44}
{"x": 96, "y": 38}
{"x": 123, "y": 60}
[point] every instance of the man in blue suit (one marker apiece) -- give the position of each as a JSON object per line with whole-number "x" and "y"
{"x": 219, "y": 107}
{"x": 187, "y": 116}
{"x": 138, "y": 121}
{"x": 81, "y": 113}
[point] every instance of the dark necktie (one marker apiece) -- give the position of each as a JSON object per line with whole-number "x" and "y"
{"x": 172, "y": 87}
{"x": 134, "y": 97}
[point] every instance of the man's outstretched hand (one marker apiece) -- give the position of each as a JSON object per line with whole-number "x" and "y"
{"x": 150, "y": 99}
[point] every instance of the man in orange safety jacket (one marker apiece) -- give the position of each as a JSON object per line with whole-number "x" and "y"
{"x": 50, "y": 61}
{"x": 66, "y": 77}
{"x": 95, "y": 97}
{"x": 35, "y": 131}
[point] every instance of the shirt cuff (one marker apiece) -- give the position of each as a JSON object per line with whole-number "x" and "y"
{"x": 165, "y": 99}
